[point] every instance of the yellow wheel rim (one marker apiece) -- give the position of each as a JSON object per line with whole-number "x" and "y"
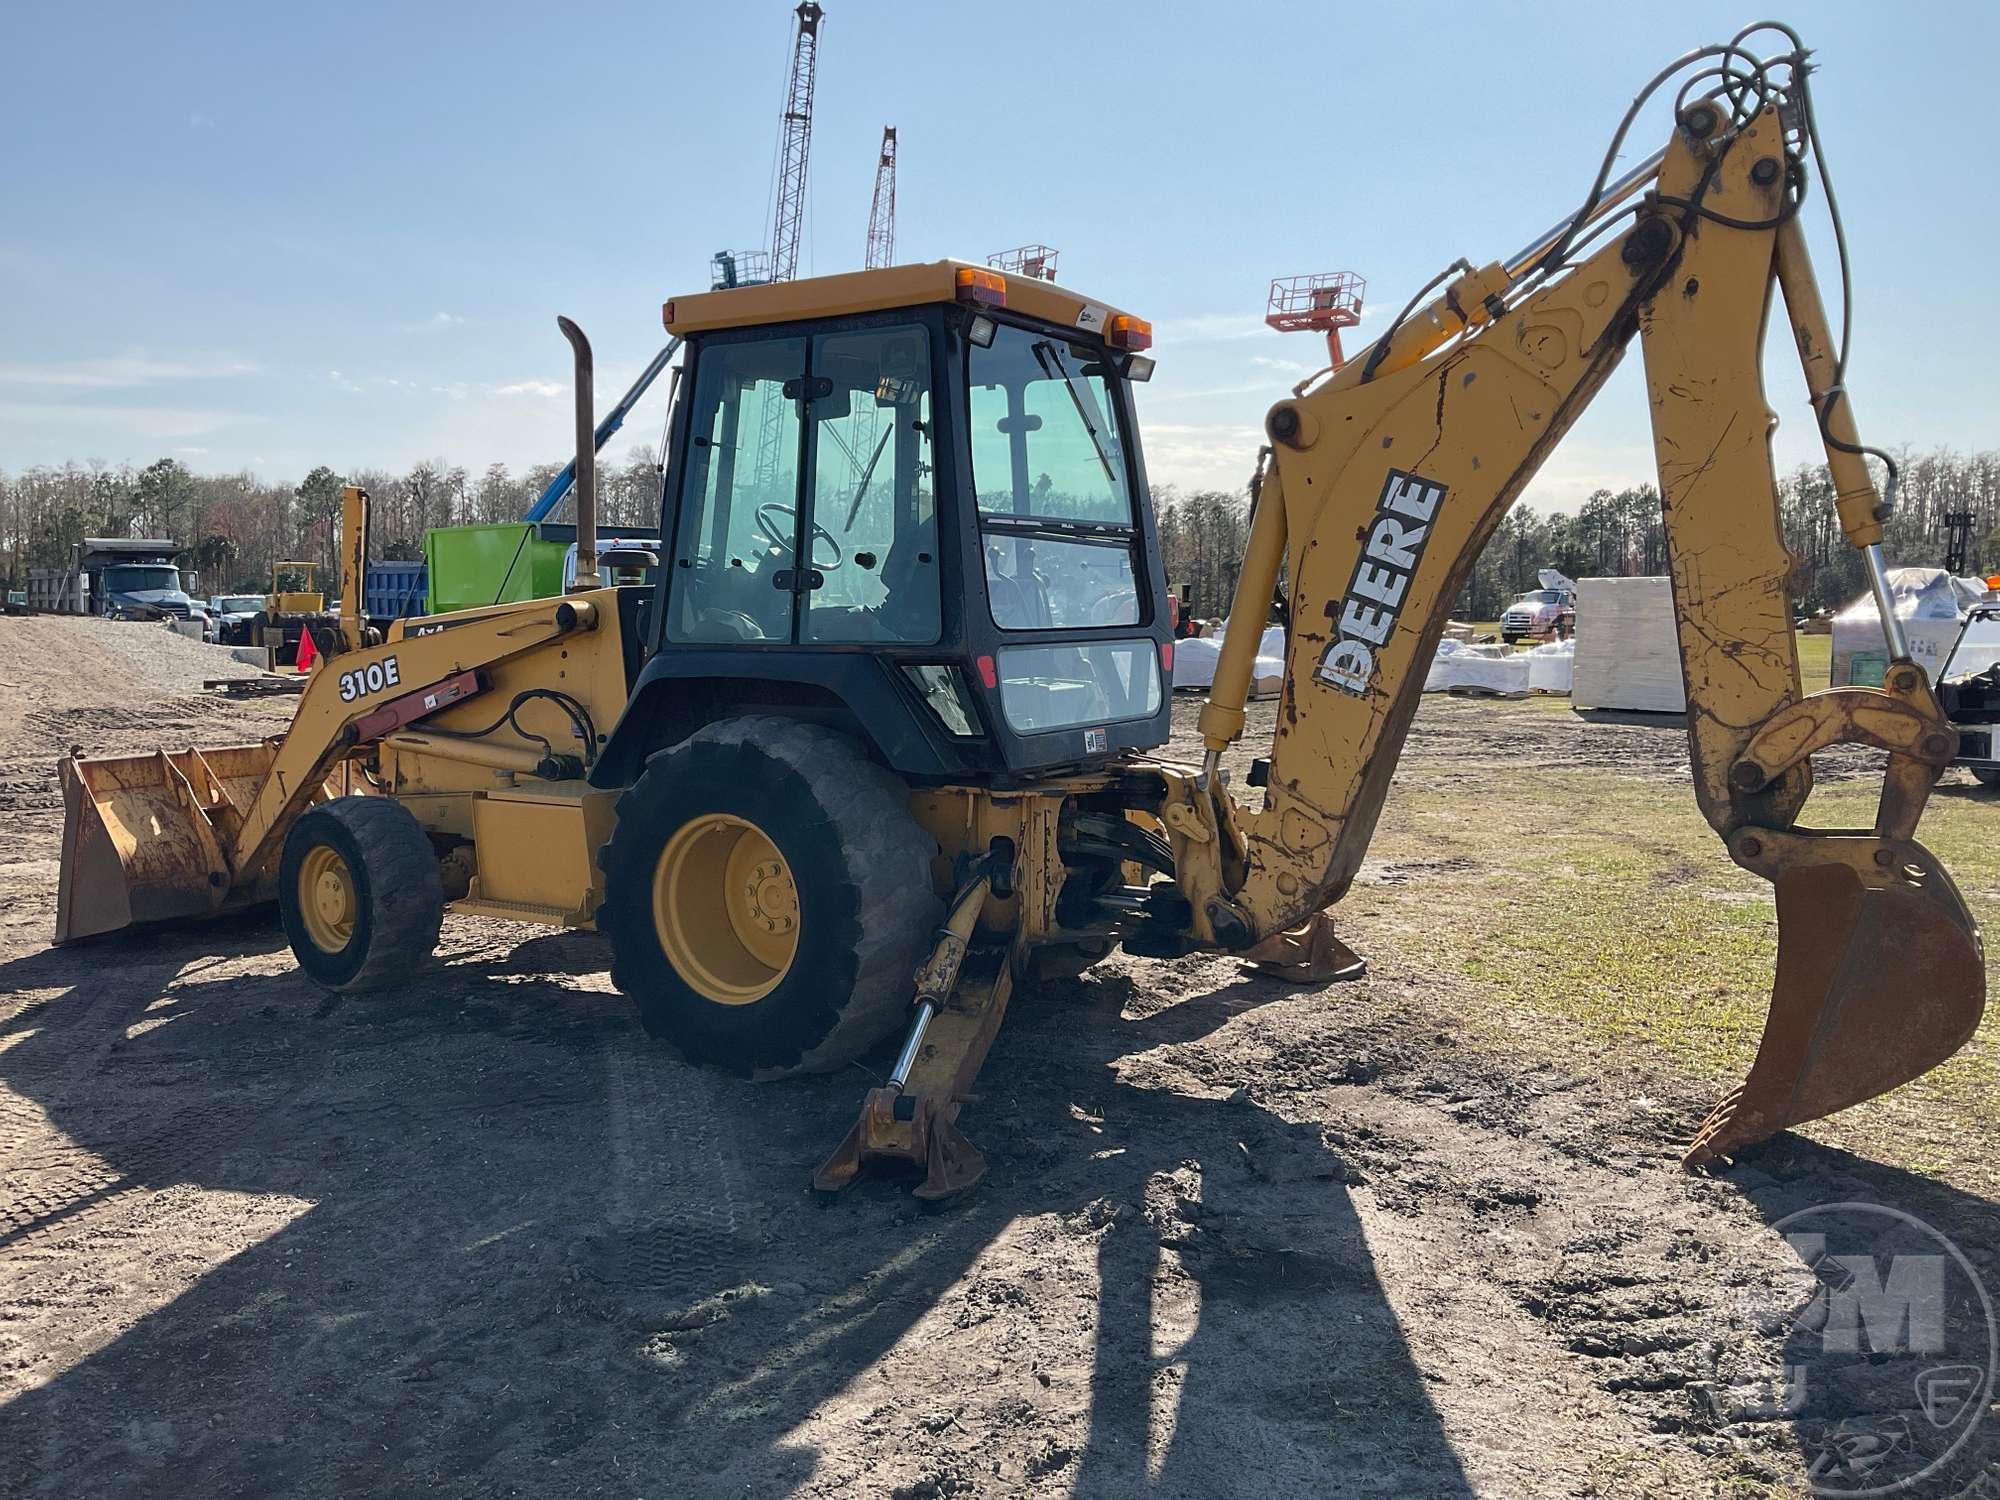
{"x": 326, "y": 898}
{"x": 726, "y": 909}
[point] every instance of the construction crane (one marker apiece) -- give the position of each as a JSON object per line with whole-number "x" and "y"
{"x": 1323, "y": 303}
{"x": 1036, "y": 262}
{"x": 882, "y": 212}
{"x": 788, "y": 212}
{"x": 795, "y": 144}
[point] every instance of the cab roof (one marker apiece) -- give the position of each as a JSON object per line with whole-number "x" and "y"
{"x": 815, "y": 297}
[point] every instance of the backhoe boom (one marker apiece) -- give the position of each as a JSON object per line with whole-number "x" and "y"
{"x": 1387, "y": 480}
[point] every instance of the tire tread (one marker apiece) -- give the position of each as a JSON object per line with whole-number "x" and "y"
{"x": 405, "y": 889}
{"x": 887, "y": 858}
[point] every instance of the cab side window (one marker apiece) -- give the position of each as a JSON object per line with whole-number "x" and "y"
{"x": 736, "y": 520}
{"x": 874, "y": 537}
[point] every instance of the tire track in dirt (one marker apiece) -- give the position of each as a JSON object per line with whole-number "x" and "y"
{"x": 665, "y": 1150}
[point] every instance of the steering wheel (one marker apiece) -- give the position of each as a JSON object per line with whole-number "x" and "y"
{"x": 783, "y": 540}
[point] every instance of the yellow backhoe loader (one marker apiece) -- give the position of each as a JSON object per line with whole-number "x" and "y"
{"x": 891, "y": 707}
{"x": 295, "y": 606}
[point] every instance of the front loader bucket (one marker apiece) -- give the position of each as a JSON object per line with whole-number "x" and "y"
{"x": 1878, "y": 982}
{"x": 147, "y": 838}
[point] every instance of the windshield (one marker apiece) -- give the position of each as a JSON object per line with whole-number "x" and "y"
{"x": 132, "y": 578}
{"x": 1045, "y": 434}
{"x": 1978, "y": 648}
{"x": 240, "y": 604}
{"x": 1054, "y": 497}
{"x": 1540, "y": 596}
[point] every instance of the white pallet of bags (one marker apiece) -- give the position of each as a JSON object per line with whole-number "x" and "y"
{"x": 1552, "y": 668}
{"x": 1459, "y": 668}
{"x": 1628, "y": 656}
{"x": 1931, "y": 604}
{"x": 1194, "y": 661}
{"x": 1194, "y": 667}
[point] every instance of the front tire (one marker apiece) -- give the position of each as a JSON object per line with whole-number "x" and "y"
{"x": 360, "y": 893}
{"x": 768, "y": 898}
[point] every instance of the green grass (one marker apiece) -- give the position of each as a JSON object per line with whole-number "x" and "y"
{"x": 1815, "y": 660}
{"x": 1598, "y": 910}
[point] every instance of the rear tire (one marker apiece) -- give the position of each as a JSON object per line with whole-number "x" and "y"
{"x": 1985, "y": 775}
{"x": 360, "y": 893}
{"x": 768, "y": 898}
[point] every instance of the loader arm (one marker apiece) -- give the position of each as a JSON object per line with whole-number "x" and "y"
{"x": 193, "y": 833}
{"x": 1387, "y": 480}
{"x": 361, "y": 697}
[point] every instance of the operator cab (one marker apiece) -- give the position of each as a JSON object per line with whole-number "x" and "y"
{"x": 910, "y": 502}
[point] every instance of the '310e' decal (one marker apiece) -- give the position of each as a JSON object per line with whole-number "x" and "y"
{"x": 369, "y": 679}
{"x": 1377, "y": 591}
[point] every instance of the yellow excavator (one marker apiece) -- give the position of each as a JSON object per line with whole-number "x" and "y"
{"x": 891, "y": 709}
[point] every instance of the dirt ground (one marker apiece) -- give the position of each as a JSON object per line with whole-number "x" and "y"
{"x": 1403, "y": 1237}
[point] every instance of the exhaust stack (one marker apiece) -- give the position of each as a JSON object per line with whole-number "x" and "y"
{"x": 586, "y": 459}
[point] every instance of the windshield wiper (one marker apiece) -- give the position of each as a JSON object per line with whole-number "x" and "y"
{"x": 1050, "y": 359}
{"x": 867, "y": 476}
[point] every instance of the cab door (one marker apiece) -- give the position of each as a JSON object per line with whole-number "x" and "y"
{"x": 736, "y": 526}
{"x": 871, "y": 538}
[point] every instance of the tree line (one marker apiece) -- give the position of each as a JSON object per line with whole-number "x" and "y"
{"x": 1621, "y": 533}
{"x": 233, "y": 528}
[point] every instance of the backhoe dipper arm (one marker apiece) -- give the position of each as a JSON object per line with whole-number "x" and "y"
{"x": 1389, "y": 478}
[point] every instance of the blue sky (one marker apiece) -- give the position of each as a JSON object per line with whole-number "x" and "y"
{"x": 275, "y": 236}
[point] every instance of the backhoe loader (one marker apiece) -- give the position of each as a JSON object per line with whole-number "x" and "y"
{"x": 891, "y": 708}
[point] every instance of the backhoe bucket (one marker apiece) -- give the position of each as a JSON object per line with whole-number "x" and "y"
{"x": 1876, "y": 984}
{"x": 146, "y": 838}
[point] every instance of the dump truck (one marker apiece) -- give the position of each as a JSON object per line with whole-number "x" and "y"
{"x": 121, "y": 578}
{"x": 883, "y": 740}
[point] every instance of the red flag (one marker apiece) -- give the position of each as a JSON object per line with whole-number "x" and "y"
{"x": 307, "y": 655}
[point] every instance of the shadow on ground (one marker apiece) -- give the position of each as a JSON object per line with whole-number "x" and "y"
{"x": 482, "y": 1237}
{"x": 1888, "y": 1349}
